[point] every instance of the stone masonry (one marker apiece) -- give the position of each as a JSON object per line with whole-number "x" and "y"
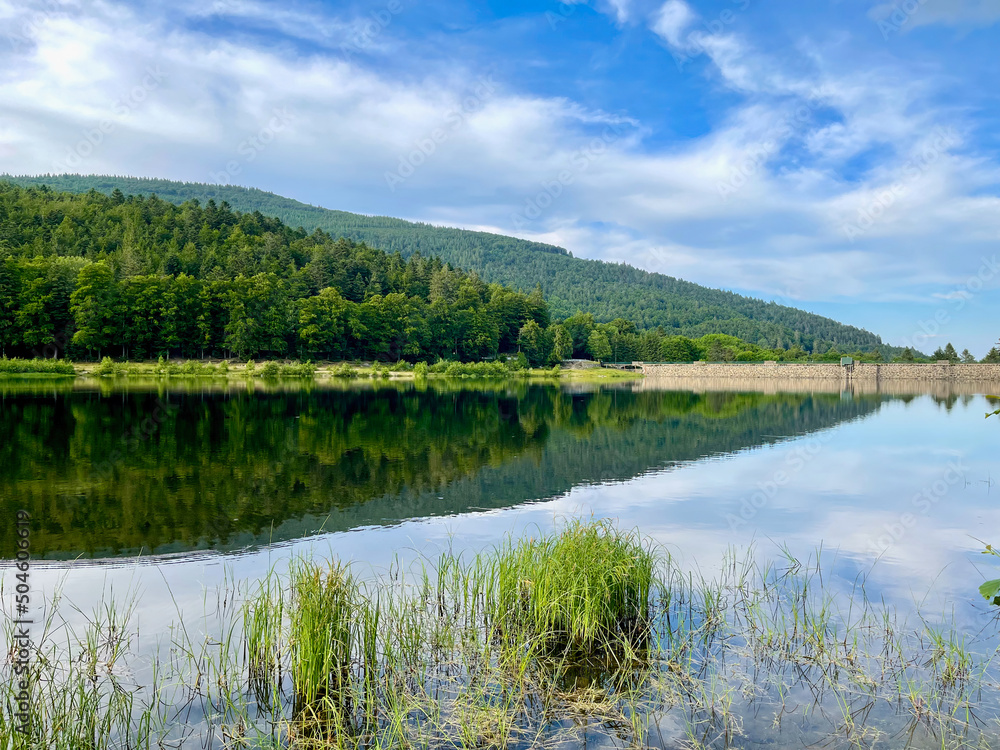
{"x": 866, "y": 373}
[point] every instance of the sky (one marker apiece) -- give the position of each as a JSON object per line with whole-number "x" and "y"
{"x": 841, "y": 156}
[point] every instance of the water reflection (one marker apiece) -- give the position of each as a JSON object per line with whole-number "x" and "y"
{"x": 108, "y": 471}
{"x": 895, "y": 487}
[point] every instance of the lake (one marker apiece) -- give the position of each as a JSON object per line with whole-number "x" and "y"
{"x": 171, "y": 491}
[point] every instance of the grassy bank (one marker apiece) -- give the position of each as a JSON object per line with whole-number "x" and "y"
{"x": 587, "y": 632}
{"x": 47, "y": 367}
{"x": 275, "y": 369}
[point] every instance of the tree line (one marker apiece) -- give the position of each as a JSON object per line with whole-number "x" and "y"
{"x": 608, "y": 291}
{"x": 949, "y": 353}
{"x": 91, "y": 275}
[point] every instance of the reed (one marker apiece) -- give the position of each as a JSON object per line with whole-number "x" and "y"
{"x": 585, "y": 631}
{"x": 322, "y": 617}
{"x": 585, "y": 588}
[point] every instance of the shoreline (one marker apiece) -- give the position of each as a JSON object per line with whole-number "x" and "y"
{"x": 327, "y": 371}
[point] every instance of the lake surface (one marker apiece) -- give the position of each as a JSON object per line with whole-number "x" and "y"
{"x": 144, "y": 487}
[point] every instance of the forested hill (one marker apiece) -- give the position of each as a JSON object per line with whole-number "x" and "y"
{"x": 607, "y": 290}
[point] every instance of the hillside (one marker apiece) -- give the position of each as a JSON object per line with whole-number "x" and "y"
{"x": 607, "y": 290}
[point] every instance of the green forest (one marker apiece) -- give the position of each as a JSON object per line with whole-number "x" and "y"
{"x": 92, "y": 275}
{"x": 608, "y": 291}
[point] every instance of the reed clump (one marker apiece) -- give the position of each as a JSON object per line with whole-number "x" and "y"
{"x": 322, "y": 617}
{"x": 545, "y": 641}
{"x": 585, "y": 589}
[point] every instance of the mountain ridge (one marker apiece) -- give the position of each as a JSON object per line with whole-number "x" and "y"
{"x": 570, "y": 284}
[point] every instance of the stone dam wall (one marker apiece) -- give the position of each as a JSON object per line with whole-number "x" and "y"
{"x": 830, "y": 372}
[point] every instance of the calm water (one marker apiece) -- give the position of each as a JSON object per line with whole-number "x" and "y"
{"x": 142, "y": 487}
{"x": 131, "y": 473}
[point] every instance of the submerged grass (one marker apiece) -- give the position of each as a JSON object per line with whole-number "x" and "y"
{"x": 561, "y": 637}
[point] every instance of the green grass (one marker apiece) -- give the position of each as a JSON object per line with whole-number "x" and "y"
{"x": 585, "y": 589}
{"x": 36, "y": 367}
{"x": 543, "y": 640}
{"x": 271, "y": 370}
{"x": 321, "y": 629}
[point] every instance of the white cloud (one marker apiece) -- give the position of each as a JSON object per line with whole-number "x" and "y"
{"x": 782, "y": 151}
{"x": 621, "y": 9}
{"x": 671, "y": 21}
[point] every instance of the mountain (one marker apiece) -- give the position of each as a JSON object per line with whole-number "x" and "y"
{"x": 607, "y": 290}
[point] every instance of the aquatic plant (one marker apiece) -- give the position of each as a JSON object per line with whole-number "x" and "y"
{"x": 588, "y": 629}
{"x": 586, "y": 588}
{"x": 321, "y": 624}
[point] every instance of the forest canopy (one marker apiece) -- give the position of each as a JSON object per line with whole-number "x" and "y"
{"x": 89, "y": 275}
{"x": 608, "y": 291}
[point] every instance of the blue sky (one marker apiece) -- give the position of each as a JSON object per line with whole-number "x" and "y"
{"x": 841, "y": 156}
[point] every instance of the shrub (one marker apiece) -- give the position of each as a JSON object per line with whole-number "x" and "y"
{"x": 476, "y": 370}
{"x": 36, "y": 366}
{"x": 420, "y": 370}
{"x": 344, "y": 370}
{"x": 269, "y": 370}
{"x": 107, "y": 367}
{"x": 305, "y": 369}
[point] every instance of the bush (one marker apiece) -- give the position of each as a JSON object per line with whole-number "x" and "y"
{"x": 107, "y": 367}
{"x": 36, "y": 366}
{"x": 269, "y": 370}
{"x": 440, "y": 366}
{"x": 344, "y": 370}
{"x": 273, "y": 369}
{"x": 224, "y": 367}
{"x": 477, "y": 370}
{"x": 420, "y": 370}
{"x": 298, "y": 370}
{"x": 251, "y": 366}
